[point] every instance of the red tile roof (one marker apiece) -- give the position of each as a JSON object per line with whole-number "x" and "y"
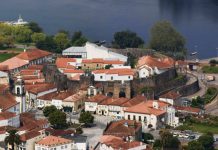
{"x": 49, "y": 96}
{"x": 3, "y": 67}
{"x": 147, "y": 108}
{"x": 29, "y": 135}
{"x": 171, "y": 95}
{"x": 123, "y": 128}
{"x": 63, "y": 62}
{"x": 120, "y": 71}
{"x": 14, "y": 62}
{"x": 114, "y": 101}
{"x": 35, "y": 67}
{"x": 56, "y": 132}
{"x": 134, "y": 101}
{"x": 97, "y": 98}
{"x": 53, "y": 141}
{"x": 152, "y": 62}
{"x": 188, "y": 109}
{"x": 73, "y": 71}
{"x": 7, "y": 100}
{"x": 32, "y": 54}
{"x": 119, "y": 143}
{"x": 7, "y": 115}
{"x": 38, "y": 88}
{"x": 100, "y": 60}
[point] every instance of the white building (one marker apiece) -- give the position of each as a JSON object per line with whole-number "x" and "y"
{"x": 153, "y": 114}
{"x": 170, "y": 97}
{"x": 90, "y": 51}
{"x": 54, "y": 143}
{"x": 29, "y": 139}
{"x": 36, "y": 90}
{"x": 113, "y": 74}
{"x": 91, "y": 104}
{"x": 4, "y": 78}
{"x": 148, "y": 66}
{"x": 9, "y": 119}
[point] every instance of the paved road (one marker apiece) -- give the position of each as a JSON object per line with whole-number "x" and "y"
{"x": 203, "y": 87}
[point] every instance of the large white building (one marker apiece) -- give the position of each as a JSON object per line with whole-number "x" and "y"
{"x": 153, "y": 114}
{"x": 91, "y": 50}
{"x": 113, "y": 74}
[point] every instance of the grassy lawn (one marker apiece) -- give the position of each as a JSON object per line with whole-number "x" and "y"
{"x": 210, "y": 69}
{"x": 204, "y": 128}
{"x": 6, "y": 56}
{"x": 199, "y": 127}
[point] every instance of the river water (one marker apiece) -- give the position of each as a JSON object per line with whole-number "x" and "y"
{"x": 197, "y": 20}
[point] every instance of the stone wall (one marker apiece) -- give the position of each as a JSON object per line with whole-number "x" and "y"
{"x": 160, "y": 83}
{"x": 189, "y": 89}
{"x": 52, "y": 75}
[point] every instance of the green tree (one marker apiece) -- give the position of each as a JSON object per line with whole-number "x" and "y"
{"x": 131, "y": 60}
{"x": 213, "y": 62}
{"x": 168, "y": 141}
{"x": 157, "y": 145}
{"x": 127, "y": 39}
{"x": 79, "y": 130}
{"x": 38, "y": 37}
{"x": 34, "y": 27}
{"x": 57, "y": 119}
{"x": 86, "y": 118}
{"x": 207, "y": 141}
{"x": 48, "y": 110}
{"x": 195, "y": 145}
{"x": 78, "y": 39}
{"x": 164, "y": 37}
{"x": 22, "y": 34}
{"x": 62, "y": 41}
{"x": 48, "y": 44}
{"x": 12, "y": 139}
{"x": 147, "y": 137}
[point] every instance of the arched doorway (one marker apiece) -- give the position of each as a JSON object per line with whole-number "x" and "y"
{"x": 122, "y": 94}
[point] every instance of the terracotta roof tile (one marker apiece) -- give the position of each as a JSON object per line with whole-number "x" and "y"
{"x": 152, "y": 62}
{"x": 119, "y": 143}
{"x": 147, "y": 108}
{"x": 64, "y": 62}
{"x": 97, "y": 98}
{"x": 53, "y": 140}
{"x": 114, "y": 101}
{"x": 171, "y": 95}
{"x": 7, "y": 100}
{"x": 73, "y": 71}
{"x": 29, "y": 135}
{"x": 123, "y": 128}
{"x": 38, "y": 88}
{"x": 188, "y": 109}
{"x": 134, "y": 101}
{"x": 120, "y": 71}
{"x": 7, "y": 115}
{"x": 49, "y": 96}
{"x": 32, "y": 54}
{"x": 14, "y": 62}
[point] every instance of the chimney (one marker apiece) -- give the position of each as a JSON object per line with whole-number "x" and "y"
{"x": 155, "y": 104}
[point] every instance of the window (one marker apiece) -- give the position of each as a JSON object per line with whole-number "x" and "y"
{"x": 65, "y": 146}
{"x": 101, "y": 77}
{"x": 62, "y": 147}
{"x": 112, "y": 78}
{"x": 18, "y": 90}
{"x": 128, "y": 117}
{"x": 84, "y": 65}
{"x": 133, "y": 117}
{"x": 97, "y": 65}
{"x": 129, "y": 77}
{"x": 140, "y": 118}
